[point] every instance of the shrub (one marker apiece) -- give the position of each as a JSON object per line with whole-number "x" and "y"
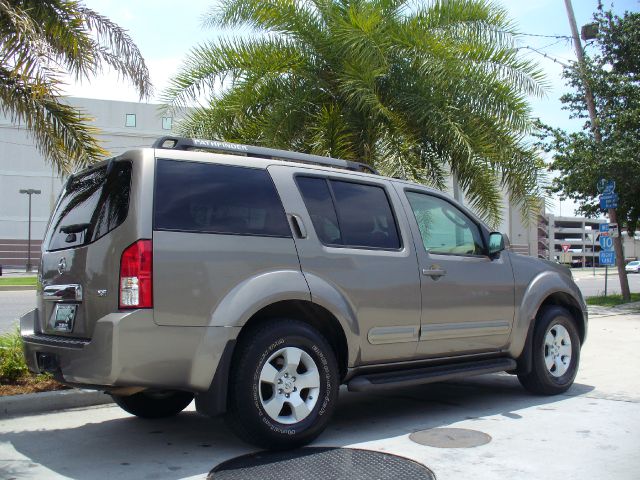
{"x": 12, "y": 363}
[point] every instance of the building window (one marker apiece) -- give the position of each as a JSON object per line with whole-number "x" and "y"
{"x": 167, "y": 123}
{"x": 130, "y": 120}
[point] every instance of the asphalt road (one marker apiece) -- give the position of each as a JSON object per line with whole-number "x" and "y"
{"x": 14, "y": 304}
{"x": 592, "y": 431}
{"x": 593, "y": 286}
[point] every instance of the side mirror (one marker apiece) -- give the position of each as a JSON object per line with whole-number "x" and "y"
{"x": 496, "y": 243}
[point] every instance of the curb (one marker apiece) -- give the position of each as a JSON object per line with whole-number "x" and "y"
{"x": 43, "y": 402}
{"x": 14, "y": 288}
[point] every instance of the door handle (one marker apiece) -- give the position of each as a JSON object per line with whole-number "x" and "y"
{"x": 434, "y": 272}
{"x": 298, "y": 225}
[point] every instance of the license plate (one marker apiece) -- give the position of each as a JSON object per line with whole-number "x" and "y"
{"x": 63, "y": 317}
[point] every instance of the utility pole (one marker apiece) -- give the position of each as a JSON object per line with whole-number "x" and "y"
{"x": 591, "y": 107}
{"x": 29, "y": 192}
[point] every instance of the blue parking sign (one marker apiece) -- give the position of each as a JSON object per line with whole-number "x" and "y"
{"x": 608, "y": 257}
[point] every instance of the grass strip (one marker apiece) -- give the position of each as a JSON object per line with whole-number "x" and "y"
{"x": 611, "y": 300}
{"x": 18, "y": 281}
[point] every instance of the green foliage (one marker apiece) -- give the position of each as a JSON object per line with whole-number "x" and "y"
{"x": 22, "y": 281}
{"x": 417, "y": 90}
{"x": 611, "y": 300}
{"x": 613, "y": 74}
{"x": 12, "y": 363}
{"x": 42, "y": 40}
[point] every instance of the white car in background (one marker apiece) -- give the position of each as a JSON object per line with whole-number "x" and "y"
{"x": 633, "y": 267}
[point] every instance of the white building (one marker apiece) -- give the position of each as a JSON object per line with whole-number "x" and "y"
{"x": 124, "y": 125}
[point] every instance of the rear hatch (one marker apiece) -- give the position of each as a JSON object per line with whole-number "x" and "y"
{"x": 81, "y": 250}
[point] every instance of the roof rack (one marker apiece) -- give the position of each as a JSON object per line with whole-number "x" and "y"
{"x": 180, "y": 143}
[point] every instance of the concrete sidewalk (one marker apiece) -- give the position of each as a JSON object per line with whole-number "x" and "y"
{"x": 593, "y": 431}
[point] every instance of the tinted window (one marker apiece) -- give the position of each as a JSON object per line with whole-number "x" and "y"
{"x": 92, "y": 204}
{"x": 210, "y": 198}
{"x": 444, "y": 228}
{"x": 317, "y": 198}
{"x": 364, "y": 217}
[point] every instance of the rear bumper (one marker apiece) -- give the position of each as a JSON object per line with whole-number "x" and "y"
{"x": 129, "y": 349}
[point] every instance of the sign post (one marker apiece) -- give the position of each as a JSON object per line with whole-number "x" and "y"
{"x": 592, "y": 236}
{"x": 607, "y": 254}
{"x": 609, "y": 203}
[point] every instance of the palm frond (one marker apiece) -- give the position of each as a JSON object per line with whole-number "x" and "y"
{"x": 420, "y": 90}
{"x": 40, "y": 42}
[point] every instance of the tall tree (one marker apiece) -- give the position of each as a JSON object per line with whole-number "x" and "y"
{"x": 416, "y": 89}
{"x": 40, "y": 42}
{"x": 613, "y": 75}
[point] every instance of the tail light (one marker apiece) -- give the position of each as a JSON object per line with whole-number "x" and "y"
{"x": 136, "y": 275}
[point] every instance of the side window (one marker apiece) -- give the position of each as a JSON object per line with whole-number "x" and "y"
{"x": 211, "y": 198}
{"x": 444, "y": 228}
{"x": 317, "y": 198}
{"x": 349, "y": 214}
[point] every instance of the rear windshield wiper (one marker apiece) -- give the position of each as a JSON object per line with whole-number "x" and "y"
{"x": 75, "y": 228}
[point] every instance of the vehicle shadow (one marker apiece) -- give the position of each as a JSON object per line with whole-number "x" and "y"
{"x": 190, "y": 444}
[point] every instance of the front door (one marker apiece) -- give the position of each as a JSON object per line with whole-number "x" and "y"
{"x": 467, "y": 297}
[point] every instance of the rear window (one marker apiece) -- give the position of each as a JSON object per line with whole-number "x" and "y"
{"x": 212, "y": 198}
{"x": 349, "y": 214}
{"x": 92, "y": 204}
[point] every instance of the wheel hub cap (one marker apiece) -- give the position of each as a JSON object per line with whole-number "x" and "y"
{"x": 287, "y": 386}
{"x": 557, "y": 350}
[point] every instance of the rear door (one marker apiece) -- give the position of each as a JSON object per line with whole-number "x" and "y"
{"x": 357, "y": 241}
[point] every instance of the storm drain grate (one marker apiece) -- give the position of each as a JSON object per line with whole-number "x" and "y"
{"x": 321, "y": 464}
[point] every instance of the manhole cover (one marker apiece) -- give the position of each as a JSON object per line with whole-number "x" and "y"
{"x": 450, "y": 438}
{"x": 320, "y": 464}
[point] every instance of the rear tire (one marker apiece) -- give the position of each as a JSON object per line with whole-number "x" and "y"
{"x": 154, "y": 404}
{"x": 556, "y": 353}
{"x": 283, "y": 385}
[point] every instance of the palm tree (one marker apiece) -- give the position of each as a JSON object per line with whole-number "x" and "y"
{"x": 40, "y": 42}
{"x": 417, "y": 89}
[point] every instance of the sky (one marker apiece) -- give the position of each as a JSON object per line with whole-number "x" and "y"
{"x": 165, "y": 30}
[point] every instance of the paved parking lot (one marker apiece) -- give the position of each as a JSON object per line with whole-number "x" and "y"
{"x": 591, "y": 432}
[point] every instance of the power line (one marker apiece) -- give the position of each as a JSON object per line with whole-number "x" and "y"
{"x": 563, "y": 37}
{"x": 548, "y": 45}
{"x": 549, "y": 57}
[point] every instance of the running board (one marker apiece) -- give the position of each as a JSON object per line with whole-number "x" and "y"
{"x": 408, "y": 378}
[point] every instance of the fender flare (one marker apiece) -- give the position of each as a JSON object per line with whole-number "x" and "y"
{"x": 540, "y": 289}
{"x": 243, "y": 302}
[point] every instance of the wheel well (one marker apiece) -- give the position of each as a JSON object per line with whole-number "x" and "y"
{"x": 566, "y": 301}
{"x": 318, "y": 317}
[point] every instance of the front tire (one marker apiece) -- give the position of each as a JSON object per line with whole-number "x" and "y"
{"x": 556, "y": 353}
{"x": 283, "y": 385}
{"x": 154, "y": 404}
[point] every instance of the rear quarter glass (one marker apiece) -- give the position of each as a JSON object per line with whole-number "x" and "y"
{"x": 213, "y": 198}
